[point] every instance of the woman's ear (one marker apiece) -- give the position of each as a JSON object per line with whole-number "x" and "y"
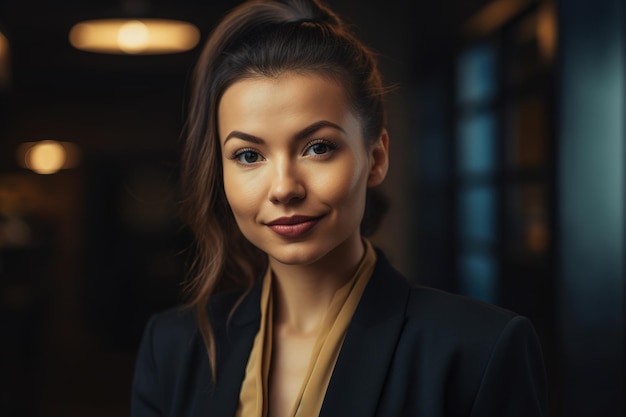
{"x": 379, "y": 159}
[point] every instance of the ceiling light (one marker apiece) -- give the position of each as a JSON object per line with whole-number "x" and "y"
{"x": 134, "y": 36}
{"x": 48, "y": 156}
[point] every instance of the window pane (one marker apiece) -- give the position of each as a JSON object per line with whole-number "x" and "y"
{"x": 477, "y": 276}
{"x": 476, "y": 145}
{"x": 477, "y": 214}
{"x": 528, "y": 132}
{"x": 527, "y": 220}
{"x": 476, "y": 75}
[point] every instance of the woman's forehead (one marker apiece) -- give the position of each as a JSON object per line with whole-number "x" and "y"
{"x": 262, "y": 104}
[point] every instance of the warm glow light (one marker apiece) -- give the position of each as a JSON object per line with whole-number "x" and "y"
{"x": 547, "y": 31}
{"x": 140, "y": 36}
{"x": 493, "y": 15}
{"x": 4, "y": 48}
{"x": 133, "y": 37}
{"x": 4, "y": 61}
{"x": 46, "y": 157}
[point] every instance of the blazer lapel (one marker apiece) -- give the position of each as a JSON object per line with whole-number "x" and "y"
{"x": 359, "y": 375}
{"x": 234, "y": 341}
{"x": 361, "y": 368}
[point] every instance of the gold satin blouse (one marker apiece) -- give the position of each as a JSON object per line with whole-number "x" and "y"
{"x": 253, "y": 398}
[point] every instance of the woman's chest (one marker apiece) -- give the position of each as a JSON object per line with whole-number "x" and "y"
{"x": 289, "y": 368}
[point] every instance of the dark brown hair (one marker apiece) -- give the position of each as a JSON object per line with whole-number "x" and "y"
{"x": 259, "y": 38}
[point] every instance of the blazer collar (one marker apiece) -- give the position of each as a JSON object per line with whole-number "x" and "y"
{"x": 381, "y": 300}
{"x": 234, "y": 337}
{"x": 362, "y": 363}
{"x": 369, "y": 345}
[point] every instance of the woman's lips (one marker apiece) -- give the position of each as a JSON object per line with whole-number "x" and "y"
{"x": 294, "y": 226}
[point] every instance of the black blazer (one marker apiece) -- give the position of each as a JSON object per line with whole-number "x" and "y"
{"x": 407, "y": 352}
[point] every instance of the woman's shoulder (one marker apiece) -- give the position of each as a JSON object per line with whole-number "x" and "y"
{"x": 462, "y": 320}
{"x": 446, "y": 306}
{"x": 180, "y": 321}
{"x": 478, "y": 353}
{"x": 171, "y": 339}
{"x": 428, "y": 305}
{"x": 167, "y": 332}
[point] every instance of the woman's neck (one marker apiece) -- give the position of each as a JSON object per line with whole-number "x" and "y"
{"x": 302, "y": 293}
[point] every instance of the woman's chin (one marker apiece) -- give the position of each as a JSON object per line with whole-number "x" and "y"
{"x": 294, "y": 259}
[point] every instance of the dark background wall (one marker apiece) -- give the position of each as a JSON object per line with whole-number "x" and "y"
{"x": 506, "y": 184}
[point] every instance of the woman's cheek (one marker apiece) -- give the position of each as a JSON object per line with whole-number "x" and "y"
{"x": 344, "y": 182}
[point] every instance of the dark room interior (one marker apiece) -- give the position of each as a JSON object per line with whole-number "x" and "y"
{"x": 507, "y": 184}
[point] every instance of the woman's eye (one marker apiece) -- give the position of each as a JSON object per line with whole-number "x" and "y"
{"x": 320, "y": 148}
{"x": 248, "y": 157}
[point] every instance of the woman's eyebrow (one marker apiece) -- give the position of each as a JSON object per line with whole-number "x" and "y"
{"x": 304, "y": 133}
{"x": 309, "y": 130}
{"x": 243, "y": 136}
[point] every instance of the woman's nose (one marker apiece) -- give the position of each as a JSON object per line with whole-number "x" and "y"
{"x": 286, "y": 184}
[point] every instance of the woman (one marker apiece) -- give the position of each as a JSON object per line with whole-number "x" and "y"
{"x": 293, "y": 312}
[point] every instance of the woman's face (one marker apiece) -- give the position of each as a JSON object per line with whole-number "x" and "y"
{"x": 296, "y": 167}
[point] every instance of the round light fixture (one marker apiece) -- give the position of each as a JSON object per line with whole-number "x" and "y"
{"x": 134, "y": 36}
{"x": 48, "y": 156}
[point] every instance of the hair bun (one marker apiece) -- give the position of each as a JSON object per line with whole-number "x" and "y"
{"x": 310, "y": 11}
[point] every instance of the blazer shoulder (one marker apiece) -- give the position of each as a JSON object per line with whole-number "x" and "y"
{"x": 486, "y": 357}
{"x": 437, "y": 303}
{"x": 180, "y": 324}
{"x": 459, "y": 318}
{"x": 171, "y": 354}
{"x": 168, "y": 333}
{"x": 439, "y": 310}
